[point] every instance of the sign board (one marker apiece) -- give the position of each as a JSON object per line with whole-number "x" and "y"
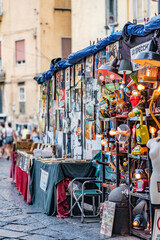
{"x": 108, "y": 218}
{"x": 43, "y": 180}
{"x": 156, "y": 227}
{"x": 134, "y": 52}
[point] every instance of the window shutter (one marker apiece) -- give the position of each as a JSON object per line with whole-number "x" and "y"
{"x": 20, "y": 51}
{"x": 66, "y": 47}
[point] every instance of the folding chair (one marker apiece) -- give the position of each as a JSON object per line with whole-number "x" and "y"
{"x": 79, "y": 196}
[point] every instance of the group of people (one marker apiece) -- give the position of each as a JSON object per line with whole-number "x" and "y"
{"x": 8, "y": 136}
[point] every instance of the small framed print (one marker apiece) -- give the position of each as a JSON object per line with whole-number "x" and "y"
{"x": 158, "y": 186}
{"x": 67, "y": 78}
{"x": 72, "y": 76}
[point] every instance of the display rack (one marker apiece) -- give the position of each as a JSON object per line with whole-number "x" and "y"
{"x": 133, "y": 196}
{"x": 119, "y": 155}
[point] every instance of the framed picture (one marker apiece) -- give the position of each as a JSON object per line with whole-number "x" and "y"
{"x": 77, "y": 100}
{"x": 67, "y": 101}
{"x": 89, "y": 91}
{"x": 53, "y": 87}
{"x": 89, "y": 114}
{"x": 88, "y": 126}
{"x": 67, "y": 78}
{"x": 72, "y": 75}
{"x": 111, "y": 52}
{"x": 73, "y": 104}
{"x": 61, "y": 99}
{"x": 57, "y": 80}
{"x": 61, "y": 117}
{"x": 97, "y": 120}
{"x": 89, "y": 67}
{"x": 93, "y": 131}
{"x": 61, "y": 79}
{"x": 78, "y": 75}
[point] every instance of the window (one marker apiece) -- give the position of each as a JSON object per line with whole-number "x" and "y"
{"x": 66, "y": 46}
{"x": 141, "y": 9}
{"x": 20, "y": 52}
{"x": 111, "y": 12}
{"x": 22, "y": 99}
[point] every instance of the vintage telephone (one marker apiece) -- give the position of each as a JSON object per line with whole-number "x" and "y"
{"x": 142, "y": 134}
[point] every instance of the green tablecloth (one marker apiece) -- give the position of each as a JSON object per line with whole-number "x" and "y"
{"x": 46, "y": 200}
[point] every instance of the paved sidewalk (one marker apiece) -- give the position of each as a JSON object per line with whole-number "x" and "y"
{"x": 21, "y": 221}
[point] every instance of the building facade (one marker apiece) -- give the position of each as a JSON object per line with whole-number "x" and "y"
{"x": 92, "y": 19}
{"x": 32, "y": 33}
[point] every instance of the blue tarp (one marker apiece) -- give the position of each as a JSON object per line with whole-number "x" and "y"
{"x": 129, "y": 29}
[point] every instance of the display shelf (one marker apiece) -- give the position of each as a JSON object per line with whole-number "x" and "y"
{"x": 137, "y": 157}
{"x": 133, "y": 195}
{"x": 141, "y": 234}
{"x": 139, "y": 195}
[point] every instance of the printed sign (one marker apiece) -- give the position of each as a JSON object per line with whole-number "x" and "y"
{"x": 135, "y": 50}
{"x": 43, "y": 180}
{"x": 156, "y": 227}
{"x": 108, "y": 218}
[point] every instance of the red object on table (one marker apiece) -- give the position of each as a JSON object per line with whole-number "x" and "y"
{"x": 13, "y": 167}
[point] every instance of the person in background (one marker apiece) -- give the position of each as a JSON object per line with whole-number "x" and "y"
{"x": 35, "y": 135}
{"x": 25, "y": 132}
{"x": 10, "y": 137}
{"x": 1, "y": 141}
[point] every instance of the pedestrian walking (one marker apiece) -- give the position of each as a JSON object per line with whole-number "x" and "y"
{"x": 10, "y": 137}
{"x": 24, "y": 132}
{"x": 35, "y": 135}
{"x": 1, "y": 141}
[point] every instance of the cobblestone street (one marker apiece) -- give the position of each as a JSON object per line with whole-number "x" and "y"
{"x": 21, "y": 221}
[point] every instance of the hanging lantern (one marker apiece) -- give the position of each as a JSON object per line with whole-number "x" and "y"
{"x": 152, "y": 131}
{"x": 149, "y": 57}
{"x": 104, "y": 142}
{"x": 147, "y": 74}
{"x": 100, "y": 136}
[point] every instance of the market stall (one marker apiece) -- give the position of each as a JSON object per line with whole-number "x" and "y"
{"x": 103, "y": 104}
{"x": 47, "y": 183}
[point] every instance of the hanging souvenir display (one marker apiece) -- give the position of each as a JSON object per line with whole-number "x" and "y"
{"x": 61, "y": 79}
{"x": 77, "y": 100}
{"x": 73, "y": 104}
{"x": 72, "y": 75}
{"x": 78, "y": 75}
{"x": 61, "y": 98}
{"x": 67, "y": 101}
{"x": 88, "y": 129}
{"x": 67, "y": 78}
{"x": 89, "y": 67}
{"x": 89, "y": 111}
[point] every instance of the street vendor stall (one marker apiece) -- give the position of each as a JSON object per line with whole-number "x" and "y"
{"x": 47, "y": 184}
{"x": 101, "y": 104}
